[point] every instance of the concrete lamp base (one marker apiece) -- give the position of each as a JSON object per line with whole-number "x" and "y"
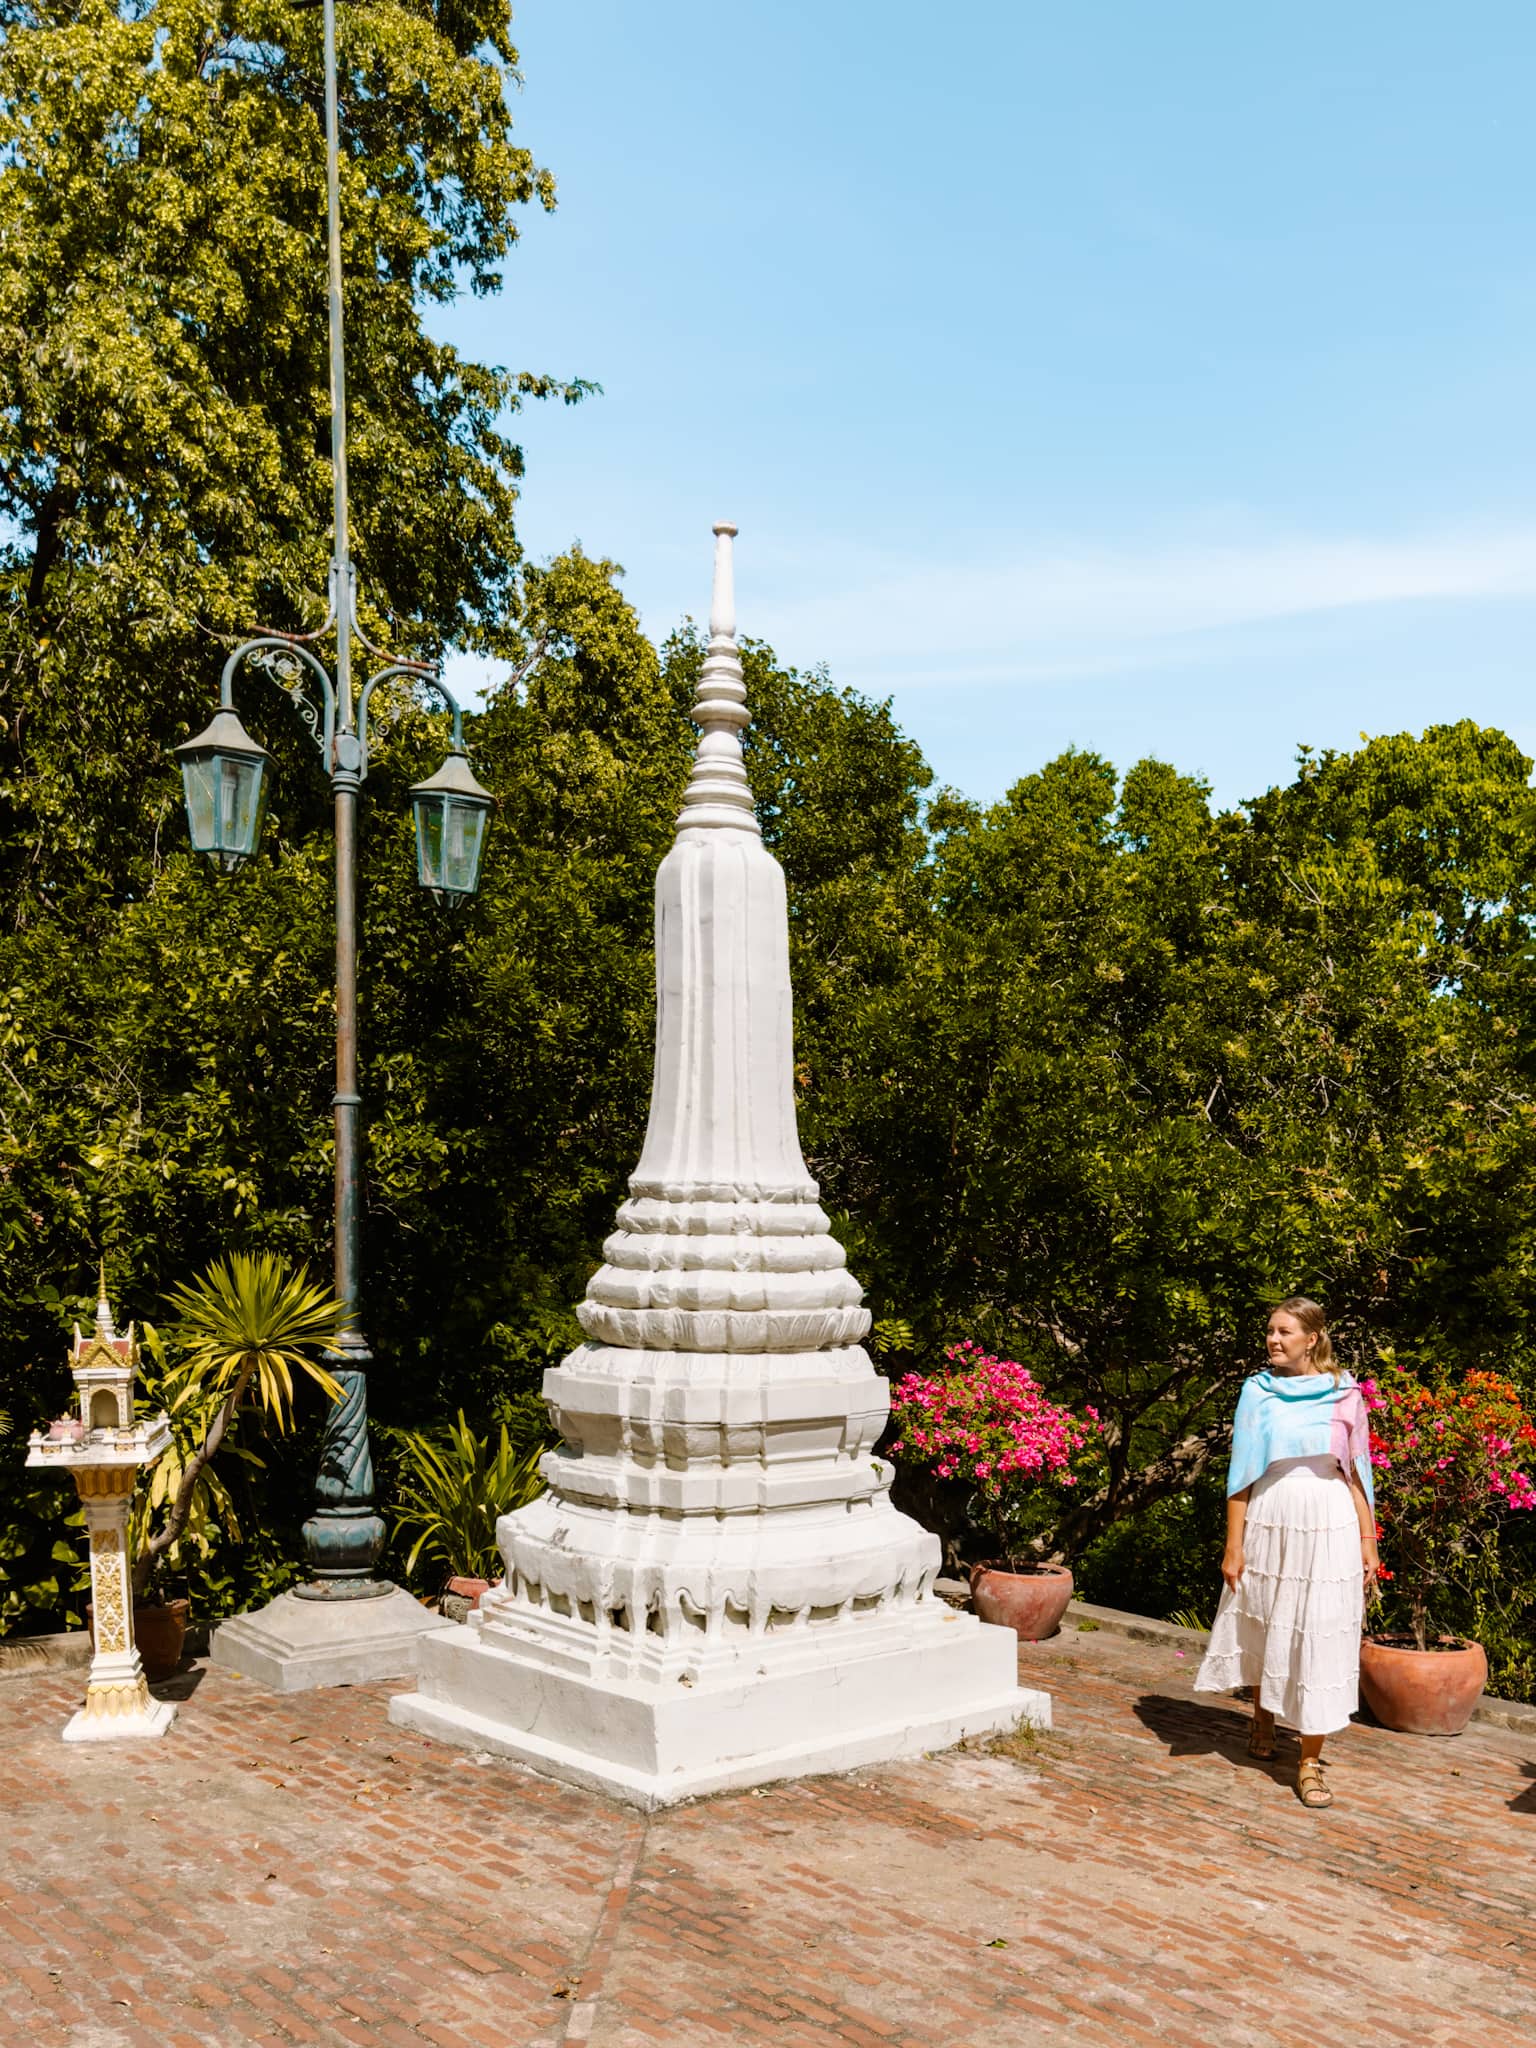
{"x": 293, "y": 1644}
{"x": 873, "y": 1692}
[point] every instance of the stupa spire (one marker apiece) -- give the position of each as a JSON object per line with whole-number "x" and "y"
{"x": 718, "y": 792}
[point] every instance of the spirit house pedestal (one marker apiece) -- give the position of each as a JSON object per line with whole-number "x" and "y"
{"x": 716, "y": 1590}
{"x": 102, "y": 1449}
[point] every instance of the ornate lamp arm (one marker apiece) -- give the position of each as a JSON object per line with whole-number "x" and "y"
{"x": 419, "y": 673}
{"x": 280, "y": 654}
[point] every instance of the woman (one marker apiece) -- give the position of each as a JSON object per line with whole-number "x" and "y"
{"x": 1301, "y": 1545}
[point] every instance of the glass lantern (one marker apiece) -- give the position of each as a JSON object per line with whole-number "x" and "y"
{"x": 224, "y": 776}
{"x": 451, "y": 810}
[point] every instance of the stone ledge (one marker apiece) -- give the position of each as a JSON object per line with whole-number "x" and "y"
{"x": 26, "y": 1656}
{"x": 1142, "y": 1628}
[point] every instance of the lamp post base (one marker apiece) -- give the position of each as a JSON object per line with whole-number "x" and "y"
{"x": 343, "y": 1589}
{"x": 343, "y": 1544}
{"x": 293, "y": 1643}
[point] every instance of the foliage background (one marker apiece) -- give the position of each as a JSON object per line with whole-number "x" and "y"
{"x": 1092, "y": 1075}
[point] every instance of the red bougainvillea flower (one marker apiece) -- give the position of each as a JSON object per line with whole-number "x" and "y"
{"x": 987, "y": 1420}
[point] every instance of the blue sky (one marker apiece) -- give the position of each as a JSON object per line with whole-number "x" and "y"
{"x": 1150, "y": 378}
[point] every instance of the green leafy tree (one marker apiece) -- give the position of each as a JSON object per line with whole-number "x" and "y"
{"x": 164, "y": 404}
{"x": 1153, "y": 1069}
{"x": 164, "y": 486}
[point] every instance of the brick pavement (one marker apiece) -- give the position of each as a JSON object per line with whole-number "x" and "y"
{"x": 296, "y": 1870}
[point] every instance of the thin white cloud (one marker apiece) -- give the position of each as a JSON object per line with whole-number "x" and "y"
{"x": 1042, "y": 614}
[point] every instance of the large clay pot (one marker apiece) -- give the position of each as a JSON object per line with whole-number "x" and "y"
{"x": 159, "y": 1632}
{"x": 470, "y": 1589}
{"x": 1422, "y": 1692}
{"x": 1030, "y": 1602}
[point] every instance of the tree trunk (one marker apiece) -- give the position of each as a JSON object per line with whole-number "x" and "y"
{"x": 1419, "y": 1621}
{"x": 1172, "y": 1473}
{"x": 51, "y": 514}
{"x": 144, "y": 1564}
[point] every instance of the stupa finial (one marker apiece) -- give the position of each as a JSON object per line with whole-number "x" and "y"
{"x": 718, "y": 792}
{"x": 722, "y": 600}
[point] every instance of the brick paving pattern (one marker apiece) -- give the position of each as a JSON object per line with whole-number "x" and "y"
{"x": 296, "y": 1870}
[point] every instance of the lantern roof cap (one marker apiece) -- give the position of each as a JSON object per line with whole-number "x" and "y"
{"x": 454, "y": 778}
{"x": 224, "y": 734}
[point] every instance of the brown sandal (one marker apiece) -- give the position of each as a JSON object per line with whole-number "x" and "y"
{"x": 1261, "y": 1734}
{"x": 1311, "y": 1785}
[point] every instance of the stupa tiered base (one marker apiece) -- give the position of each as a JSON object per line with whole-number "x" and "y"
{"x": 824, "y": 1696}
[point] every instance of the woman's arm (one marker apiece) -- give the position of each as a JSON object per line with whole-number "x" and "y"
{"x": 1237, "y": 1520}
{"x": 1370, "y": 1558}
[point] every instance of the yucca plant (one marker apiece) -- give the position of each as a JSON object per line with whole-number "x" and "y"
{"x": 1191, "y": 1618}
{"x": 243, "y": 1328}
{"x": 454, "y": 1489}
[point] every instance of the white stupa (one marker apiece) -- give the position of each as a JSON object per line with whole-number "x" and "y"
{"x": 716, "y": 1590}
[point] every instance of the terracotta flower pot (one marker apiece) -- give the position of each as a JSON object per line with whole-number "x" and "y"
{"x": 470, "y": 1589}
{"x": 1030, "y": 1602}
{"x": 160, "y": 1632}
{"x": 1422, "y": 1692}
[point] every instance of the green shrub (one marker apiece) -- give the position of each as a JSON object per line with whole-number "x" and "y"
{"x": 454, "y": 1487}
{"x": 1164, "y": 1561}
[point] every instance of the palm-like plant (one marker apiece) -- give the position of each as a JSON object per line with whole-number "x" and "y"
{"x": 243, "y": 1328}
{"x": 454, "y": 1489}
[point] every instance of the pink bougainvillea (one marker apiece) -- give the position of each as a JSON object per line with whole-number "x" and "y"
{"x": 1449, "y": 1462}
{"x": 988, "y": 1422}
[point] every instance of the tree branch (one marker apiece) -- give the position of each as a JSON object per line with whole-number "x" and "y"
{"x": 57, "y": 504}
{"x": 1176, "y": 1470}
{"x": 176, "y": 1520}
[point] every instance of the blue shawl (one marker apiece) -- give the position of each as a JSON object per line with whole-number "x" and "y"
{"x": 1281, "y": 1415}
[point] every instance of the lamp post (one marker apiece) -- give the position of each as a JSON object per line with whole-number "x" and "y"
{"x": 225, "y": 774}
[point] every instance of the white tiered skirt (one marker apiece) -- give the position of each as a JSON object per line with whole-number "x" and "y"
{"x": 1292, "y": 1628}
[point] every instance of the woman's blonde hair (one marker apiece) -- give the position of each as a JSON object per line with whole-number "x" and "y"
{"x": 1315, "y": 1323}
